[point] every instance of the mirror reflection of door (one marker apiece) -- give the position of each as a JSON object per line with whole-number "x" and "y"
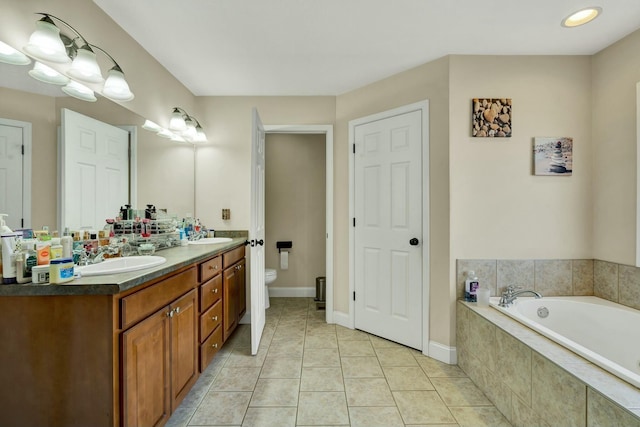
{"x": 94, "y": 182}
{"x": 15, "y": 141}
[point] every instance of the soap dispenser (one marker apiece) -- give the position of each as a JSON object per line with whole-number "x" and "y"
{"x": 3, "y": 225}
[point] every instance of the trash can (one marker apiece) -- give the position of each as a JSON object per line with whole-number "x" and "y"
{"x": 321, "y": 291}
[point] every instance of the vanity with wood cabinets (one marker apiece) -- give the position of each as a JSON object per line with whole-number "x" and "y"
{"x": 120, "y": 350}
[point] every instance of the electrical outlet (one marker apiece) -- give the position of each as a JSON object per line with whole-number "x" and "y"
{"x": 226, "y": 214}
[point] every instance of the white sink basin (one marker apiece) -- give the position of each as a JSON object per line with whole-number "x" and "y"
{"x": 121, "y": 265}
{"x": 210, "y": 241}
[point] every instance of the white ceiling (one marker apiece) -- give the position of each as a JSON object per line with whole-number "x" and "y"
{"x": 328, "y": 47}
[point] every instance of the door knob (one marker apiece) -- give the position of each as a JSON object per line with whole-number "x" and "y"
{"x": 414, "y": 242}
{"x": 260, "y": 242}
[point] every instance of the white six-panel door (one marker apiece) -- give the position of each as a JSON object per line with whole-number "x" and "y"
{"x": 256, "y": 232}
{"x": 388, "y": 228}
{"x": 95, "y": 171}
{"x": 11, "y": 174}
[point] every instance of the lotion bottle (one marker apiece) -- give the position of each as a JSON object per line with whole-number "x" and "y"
{"x": 470, "y": 286}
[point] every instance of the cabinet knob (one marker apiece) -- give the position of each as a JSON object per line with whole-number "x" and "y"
{"x": 177, "y": 310}
{"x": 170, "y": 313}
{"x": 214, "y": 318}
{"x": 215, "y": 345}
{"x": 215, "y": 290}
{"x": 213, "y": 267}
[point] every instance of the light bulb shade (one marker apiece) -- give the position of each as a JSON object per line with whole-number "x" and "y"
{"x": 80, "y": 91}
{"x": 85, "y": 67}
{"x": 190, "y": 132}
{"x": 165, "y": 133}
{"x": 200, "y": 135}
{"x": 10, "y": 55}
{"x": 178, "y": 138}
{"x": 45, "y": 43}
{"x": 177, "y": 122}
{"x": 152, "y": 126}
{"x": 116, "y": 87}
{"x": 46, "y": 74}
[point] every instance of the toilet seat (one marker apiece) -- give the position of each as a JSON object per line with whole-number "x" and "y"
{"x": 270, "y": 273}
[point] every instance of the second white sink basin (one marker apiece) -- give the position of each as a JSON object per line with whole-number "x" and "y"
{"x": 121, "y": 265}
{"x": 210, "y": 241}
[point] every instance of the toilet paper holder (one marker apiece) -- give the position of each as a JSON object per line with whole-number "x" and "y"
{"x": 284, "y": 245}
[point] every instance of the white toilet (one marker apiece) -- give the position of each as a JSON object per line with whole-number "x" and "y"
{"x": 270, "y": 275}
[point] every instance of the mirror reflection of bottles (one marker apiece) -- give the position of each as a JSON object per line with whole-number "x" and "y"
{"x": 471, "y": 285}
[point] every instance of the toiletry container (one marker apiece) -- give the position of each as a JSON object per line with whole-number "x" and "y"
{"x": 40, "y": 274}
{"x": 470, "y": 286}
{"x": 61, "y": 270}
{"x": 9, "y": 261}
{"x": 56, "y": 248}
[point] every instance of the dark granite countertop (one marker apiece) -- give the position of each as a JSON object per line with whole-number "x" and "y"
{"x": 177, "y": 258}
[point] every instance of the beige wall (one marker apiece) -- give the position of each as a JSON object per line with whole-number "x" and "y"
{"x": 295, "y": 206}
{"x": 616, "y": 70}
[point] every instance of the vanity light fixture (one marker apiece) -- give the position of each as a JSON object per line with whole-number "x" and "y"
{"x": 186, "y": 125}
{"x": 48, "y": 44}
{"x": 10, "y": 55}
{"x": 582, "y": 16}
{"x": 152, "y": 126}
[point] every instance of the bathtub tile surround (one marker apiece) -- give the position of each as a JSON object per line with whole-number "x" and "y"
{"x": 553, "y": 277}
{"x": 561, "y": 395}
{"x": 629, "y": 286}
{"x": 309, "y": 373}
{"x": 536, "y": 381}
{"x": 549, "y": 277}
{"x": 605, "y": 280}
{"x": 582, "y": 277}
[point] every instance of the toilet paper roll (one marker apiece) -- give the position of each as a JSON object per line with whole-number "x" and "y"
{"x": 284, "y": 260}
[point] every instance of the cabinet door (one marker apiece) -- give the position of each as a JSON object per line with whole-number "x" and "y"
{"x": 229, "y": 301}
{"x": 242, "y": 289}
{"x": 145, "y": 371}
{"x": 184, "y": 346}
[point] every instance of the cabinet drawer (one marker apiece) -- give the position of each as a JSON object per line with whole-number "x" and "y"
{"x": 139, "y": 305}
{"x": 210, "y": 292}
{"x": 210, "y": 319}
{"x": 233, "y": 256}
{"x": 210, "y": 268}
{"x": 210, "y": 347}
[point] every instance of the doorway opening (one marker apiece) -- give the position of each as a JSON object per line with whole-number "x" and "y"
{"x": 327, "y": 131}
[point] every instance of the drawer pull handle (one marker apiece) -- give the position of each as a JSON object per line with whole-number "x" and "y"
{"x": 215, "y": 291}
{"x": 215, "y": 345}
{"x": 214, "y": 318}
{"x": 213, "y": 267}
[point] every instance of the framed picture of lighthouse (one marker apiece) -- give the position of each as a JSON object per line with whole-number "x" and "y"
{"x": 553, "y": 156}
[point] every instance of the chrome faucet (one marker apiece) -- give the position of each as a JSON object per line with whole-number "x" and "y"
{"x": 512, "y": 292}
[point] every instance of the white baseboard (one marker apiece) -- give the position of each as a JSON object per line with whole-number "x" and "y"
{"x": 342, "y": 319}
{"x": 443, "y": 353}
{"x": 297, "y": 292}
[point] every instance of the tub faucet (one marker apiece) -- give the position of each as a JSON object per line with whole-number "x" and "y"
{"x": 512, "y": 293}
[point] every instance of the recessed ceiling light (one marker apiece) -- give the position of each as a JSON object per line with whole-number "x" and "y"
{"x": 582, "y": 16}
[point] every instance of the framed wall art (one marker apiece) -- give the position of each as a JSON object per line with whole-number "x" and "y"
{"x": 491, "y": 117}
{"x": 553, "y": 156}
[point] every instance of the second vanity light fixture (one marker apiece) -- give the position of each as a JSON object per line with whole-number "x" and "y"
{"x": 183, "y": 127}
{"x": 48, "y": 44}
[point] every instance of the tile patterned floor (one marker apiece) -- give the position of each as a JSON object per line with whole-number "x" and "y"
{"x": 310, "y": 373}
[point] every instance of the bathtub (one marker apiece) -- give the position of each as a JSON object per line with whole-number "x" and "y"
{"x": 603, "y": 332}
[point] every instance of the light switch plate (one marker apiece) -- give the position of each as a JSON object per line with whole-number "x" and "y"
{"x": 226, "y": 214}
